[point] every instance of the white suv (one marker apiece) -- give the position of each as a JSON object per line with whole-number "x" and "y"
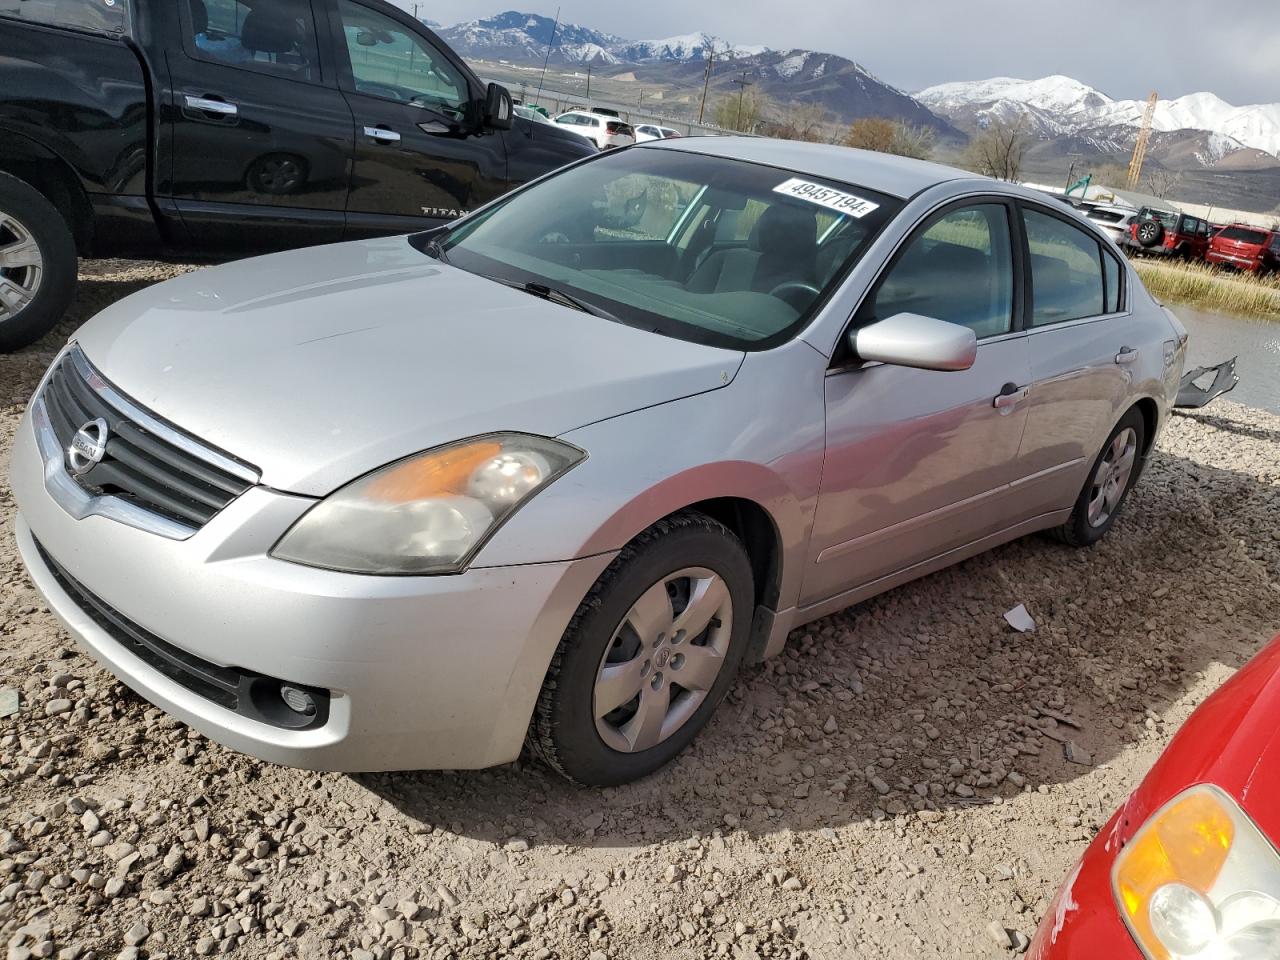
{"x": 606, "y": 131}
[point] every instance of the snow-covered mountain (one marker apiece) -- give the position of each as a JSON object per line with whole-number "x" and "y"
{"x": 1057, "y": 106}
{"x": 524, "y": 36}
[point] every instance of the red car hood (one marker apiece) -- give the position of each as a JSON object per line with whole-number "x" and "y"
{"x": 1233, "y": 741}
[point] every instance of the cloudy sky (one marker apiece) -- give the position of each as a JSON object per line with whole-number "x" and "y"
{"x": 914, "y": 43}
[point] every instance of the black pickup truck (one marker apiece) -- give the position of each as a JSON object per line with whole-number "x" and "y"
{"x": 215, "y": 129}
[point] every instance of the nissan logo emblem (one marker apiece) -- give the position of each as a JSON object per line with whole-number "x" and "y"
{"x": 88, "y": 446}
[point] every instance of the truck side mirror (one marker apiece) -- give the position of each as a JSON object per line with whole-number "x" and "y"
{"x": 498, "y": 110}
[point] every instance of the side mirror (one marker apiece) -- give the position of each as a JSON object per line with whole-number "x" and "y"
{"x": 366, "y": 39}
{"x": 910, "y": 340}
{"x": 498, "y": 110}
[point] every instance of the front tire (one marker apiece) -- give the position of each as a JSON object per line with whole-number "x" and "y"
{"x": 37, "y": 264}
{"x": 1112, "y": 477}
{"x": 650, "y": 653}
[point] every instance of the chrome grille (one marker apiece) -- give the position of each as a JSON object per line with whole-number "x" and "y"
{"x": 147, "y": 463}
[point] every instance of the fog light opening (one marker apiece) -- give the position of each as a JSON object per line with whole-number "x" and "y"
{"x": 299, "y": 701}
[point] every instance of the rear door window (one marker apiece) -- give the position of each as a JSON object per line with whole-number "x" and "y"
{"x": 277, "y": 38}
{"x": 1066, "y": 271}
{"x": 91, "y": 16}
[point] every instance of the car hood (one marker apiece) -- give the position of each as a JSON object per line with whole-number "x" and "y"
{"x": 319, "y": 365}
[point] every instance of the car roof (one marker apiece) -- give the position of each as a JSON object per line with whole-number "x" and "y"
{"x": 899, "y": 177}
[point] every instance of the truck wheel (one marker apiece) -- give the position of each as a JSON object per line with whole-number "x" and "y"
{"x": 37, "y": 264}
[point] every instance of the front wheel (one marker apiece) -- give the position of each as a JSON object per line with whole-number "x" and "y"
{"x": 37, "y": 264}
{"x": 648, "y": 656}
{"x": 1104, "y": 493}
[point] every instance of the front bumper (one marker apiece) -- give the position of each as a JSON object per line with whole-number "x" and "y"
{"x": 1082, "y": 920}
{"x": 422, "y": 672}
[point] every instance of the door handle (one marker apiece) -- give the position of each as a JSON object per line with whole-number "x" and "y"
{"x": 1126, "y": 355}
{"x": 1010, "y": 396}
{"x": 382, "y": 134}
{"x": 207, "y": 105}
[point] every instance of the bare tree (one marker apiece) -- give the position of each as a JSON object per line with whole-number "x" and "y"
{"x": 999, "y": 149}
{"x": 804, "y": 122}
{"x": 1161, "y": 183}
{"x": 890, "y": 136}
{"x": 871, "y": 133}
{"x": 741, "y": 111}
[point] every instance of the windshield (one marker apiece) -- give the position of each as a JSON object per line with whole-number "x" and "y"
{"x": 703, "y": 248}
{"x": 1244, "y": 235}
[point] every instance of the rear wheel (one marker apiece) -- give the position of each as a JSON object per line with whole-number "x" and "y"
{"x": 1104, "y": 493}
{"x": 37, "y": 264}
{"x": 648, "y": 656}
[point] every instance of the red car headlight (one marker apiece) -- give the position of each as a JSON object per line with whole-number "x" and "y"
{"x": 1199, "y": 880}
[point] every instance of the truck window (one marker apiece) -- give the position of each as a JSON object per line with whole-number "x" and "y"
{"x": 92, "y": 16}
{"x": 390, "y": 61}
{"x": 277, "y": 37}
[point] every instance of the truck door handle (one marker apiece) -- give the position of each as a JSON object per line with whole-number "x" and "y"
{"x": 1010, "y": 396}
{"x": 207, "y": 105}
{"x": 1126, "y": 355}
{"x": 382, "y": 134}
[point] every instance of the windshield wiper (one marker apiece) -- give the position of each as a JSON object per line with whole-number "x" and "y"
{"x": 435, "y": 250}
{"x": 554, "y": 295}
{"x": 566, "y": 300}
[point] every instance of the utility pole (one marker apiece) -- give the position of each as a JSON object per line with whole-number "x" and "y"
{"x": 550, "y": 43}
{"x": 742, "y": 89}
{"x": 589, "y": 63}
{"x": 706, "y": 79}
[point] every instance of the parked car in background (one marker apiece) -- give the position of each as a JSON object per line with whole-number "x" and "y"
{"x": 1167, "y": 233}
{"x": 547, "y": 502}
{"x": 604, "y": 131}
{"x": 1113, "y": 220}
{"x": 1188, "y": 866}
{"x": 1245, "y": 247}
{"x": 650, "y": 131}
{"x": 212, "y": 129}
{"x": 534, "y": 115}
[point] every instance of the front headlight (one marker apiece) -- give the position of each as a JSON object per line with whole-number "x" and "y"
{"x": 429, "y": 513}
{"x": 1199, "y": 880}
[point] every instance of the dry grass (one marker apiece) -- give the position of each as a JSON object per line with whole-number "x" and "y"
{"x": 1204, "y": 286}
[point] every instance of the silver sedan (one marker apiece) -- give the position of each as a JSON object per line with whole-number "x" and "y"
{"x": 553, "y": 474}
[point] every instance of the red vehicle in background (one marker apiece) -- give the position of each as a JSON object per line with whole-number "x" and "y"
{"x": 1167, "y": 233}
{"x": 1245, "y": 247}
{"x": 1188, "y": 866}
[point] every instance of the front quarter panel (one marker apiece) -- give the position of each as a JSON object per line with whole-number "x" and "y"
{"x": 761, "y": 439}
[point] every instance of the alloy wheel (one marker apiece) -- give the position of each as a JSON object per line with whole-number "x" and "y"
{"x": 21, "y": 267}
{"x": 1112, "y": 477}
{"x": 663, "y": 659}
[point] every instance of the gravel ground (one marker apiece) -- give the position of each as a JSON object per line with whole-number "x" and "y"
{"x": 896, "y": 784}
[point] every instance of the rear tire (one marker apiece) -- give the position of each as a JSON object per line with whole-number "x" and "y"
{"x": 1108, "y": 485}
{"x": 626, "y": 644}
{"x": 37, "y": 264}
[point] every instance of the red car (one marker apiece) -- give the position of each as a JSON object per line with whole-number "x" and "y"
{"x": 1188, "y": 866}
{"x": 1246, "y": 248}
{"x": 1167, "y": 233}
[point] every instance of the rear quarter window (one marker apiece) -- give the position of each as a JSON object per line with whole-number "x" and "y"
{"x": 106, "y": 17}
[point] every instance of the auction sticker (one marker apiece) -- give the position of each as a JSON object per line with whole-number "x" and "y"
{"x": 846, "y": 203}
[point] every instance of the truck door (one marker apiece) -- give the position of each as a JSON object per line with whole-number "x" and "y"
{"x": 422, "y": 154}
{"x": 262, "y": 138}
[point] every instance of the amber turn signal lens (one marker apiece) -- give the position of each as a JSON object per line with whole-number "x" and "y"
{"x": 421, "y": 478}
{"x": 1186, "y": 843}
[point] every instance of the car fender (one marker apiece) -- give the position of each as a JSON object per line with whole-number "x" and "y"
{"x": 750, "y": 440}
